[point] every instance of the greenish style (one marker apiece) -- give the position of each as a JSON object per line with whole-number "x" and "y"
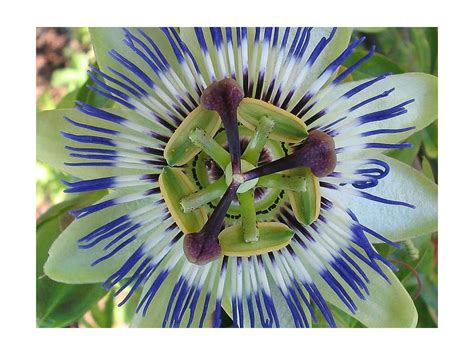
{"x": 210, "y": 147}
{"x": 250, "y": 229}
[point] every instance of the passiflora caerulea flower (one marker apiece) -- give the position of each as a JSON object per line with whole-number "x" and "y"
{"x": 246, "y": 174}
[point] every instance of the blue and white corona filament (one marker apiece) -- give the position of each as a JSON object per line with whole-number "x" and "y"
{"x": 191, "y": 265}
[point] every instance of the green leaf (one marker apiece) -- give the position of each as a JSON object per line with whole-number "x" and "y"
{"x": 408, "y": 155}
{"x": 370, "y": 29}
{"x": 50, "y": 143}
{"x": 430, "y": 140}
{"x": 58, "y": 304}
{"x": 432, "y": 38}
{"x": 414, "y": 49}
{"x": 70, "y": 77}
{"x": 69, "y": 264}
{"x": 377, "y": 65}
{"x": 396, "y": 223}
{"x": 68, "y": 101}
{"x": 427, "y": 302}
{"x": 104, "y": 317}
{"x": 422, "y": 49}
{"x": 427, "y": 317}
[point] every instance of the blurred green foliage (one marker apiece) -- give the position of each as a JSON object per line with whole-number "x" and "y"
{"x": 398, "y": 50}
{"x": 59, "y": 304}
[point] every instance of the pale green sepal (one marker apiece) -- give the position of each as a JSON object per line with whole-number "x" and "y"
{"x": 69, "y": 264}
{"x": 396, "y": 223}
{"x": 50, "y": 144}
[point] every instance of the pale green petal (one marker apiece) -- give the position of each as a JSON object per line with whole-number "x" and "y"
{"x": 421, "y": 87}
{"x": 284, "y": 314}
{"x": 69, "y": 264}
{"x": 50, "y": 143}
{"x": 387, "y": 306}
{"x": 396, "y": 223}
{"x": 156, "y": 312}
{"x": 337, "y": 45}
{"x": 157, "y": 309}
{"x": 105, "y": 39}
{"x": 334, "y": 48}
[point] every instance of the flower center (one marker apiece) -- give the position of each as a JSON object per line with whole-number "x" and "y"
{"x": 239, "y": 178}
{"x": 230, "y": 174}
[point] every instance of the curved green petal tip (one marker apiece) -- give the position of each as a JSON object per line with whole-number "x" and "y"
{"x": 387, "y": 306}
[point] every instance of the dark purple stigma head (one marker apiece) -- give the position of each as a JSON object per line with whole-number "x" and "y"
{"x": 222, "y": 96}
{"x": 318, "y": 153}
{"x": 201, "y": 248}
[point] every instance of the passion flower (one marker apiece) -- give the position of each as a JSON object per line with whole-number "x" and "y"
{"x": 239, "y": 158}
